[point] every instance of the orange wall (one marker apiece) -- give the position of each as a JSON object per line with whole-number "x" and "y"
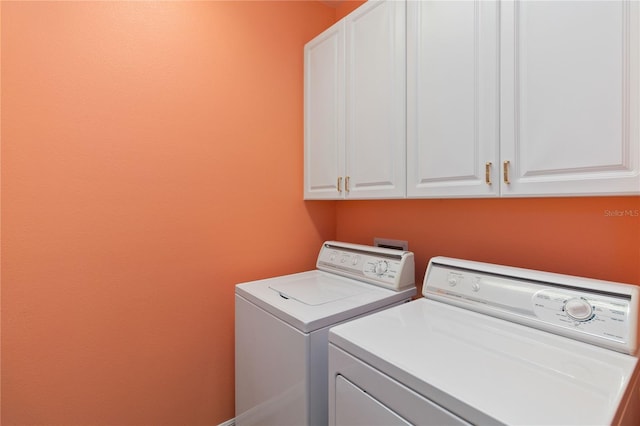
{"x": 577, "y": 236}
{"x": 151, "y": 159}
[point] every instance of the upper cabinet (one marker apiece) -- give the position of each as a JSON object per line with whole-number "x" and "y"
{"x": 502, "y": 98}
{"x": 453, "y": 93}
{"x": 569, "y": 98}
{"x": 355, "y": 120}
{"x": 324, "y": 114}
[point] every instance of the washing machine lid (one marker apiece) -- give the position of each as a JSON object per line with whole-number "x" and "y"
{"x": 316, "y": 299}
{"x": 487, "y": 370}
{"x": 315, "y": 290}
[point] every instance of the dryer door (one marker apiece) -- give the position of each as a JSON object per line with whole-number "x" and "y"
{"x": 361, "y": 395}
{"x": 355, "y": 407}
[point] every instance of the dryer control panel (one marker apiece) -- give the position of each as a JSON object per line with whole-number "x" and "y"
{"x": 599, "y": 312}
{"x": 388, "y": 268}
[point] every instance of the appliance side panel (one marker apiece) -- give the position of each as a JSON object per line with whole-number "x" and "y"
{"x": 271, "y": 379}
{"x": 629, "y": 410}
{"x": 318, "y": 374}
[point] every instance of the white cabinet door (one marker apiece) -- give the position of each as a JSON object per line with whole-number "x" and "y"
{"x": 375, "y": 100}
{"x": 324, "y": 114}
{"x": 453, "y": 99}
{"x": 569, "y": 97}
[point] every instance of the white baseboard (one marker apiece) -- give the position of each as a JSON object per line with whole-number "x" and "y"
{"x": 230, "y": 422}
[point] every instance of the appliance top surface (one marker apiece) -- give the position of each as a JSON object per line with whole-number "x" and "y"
{"x": 488, "y": 370}
{"x": 316, "y": 299}
{"x": 351, "y": 280}
{"x": 383, "y": 267}
{"x": 599, "y": 312}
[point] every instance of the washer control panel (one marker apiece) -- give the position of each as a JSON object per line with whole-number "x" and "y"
{"x": 600, "y": 312}
{"x": 392, "y": 269}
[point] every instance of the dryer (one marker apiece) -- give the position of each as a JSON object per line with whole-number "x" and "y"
{"x": 491, "y": 344}
{"x": 282, "y": 326}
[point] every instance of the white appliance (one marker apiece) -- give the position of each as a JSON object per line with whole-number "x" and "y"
{"x": 488, "y": 345}
{"x": 282, "y": 327}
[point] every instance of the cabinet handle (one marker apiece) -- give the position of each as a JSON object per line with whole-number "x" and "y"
{"x": 505, "y": 172}
{"x": 487, "y": 173}
{"x": 339, "y": 184}
{"x": 346, "y": 184}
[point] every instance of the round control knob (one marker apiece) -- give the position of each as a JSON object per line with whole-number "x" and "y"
{"x": 380, "y": 267}
{"x": 578, "y": 309}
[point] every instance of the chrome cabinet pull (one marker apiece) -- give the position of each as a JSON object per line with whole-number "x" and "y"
{"x": 346, "y": 184}
{"x": 487, "y": 173}
{"x": 339, "y": 184}
{"x": 505, "y": 172}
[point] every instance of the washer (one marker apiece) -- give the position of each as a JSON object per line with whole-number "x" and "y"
{"x": 491, "y": 344}
{"x": 282, "y": 327}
